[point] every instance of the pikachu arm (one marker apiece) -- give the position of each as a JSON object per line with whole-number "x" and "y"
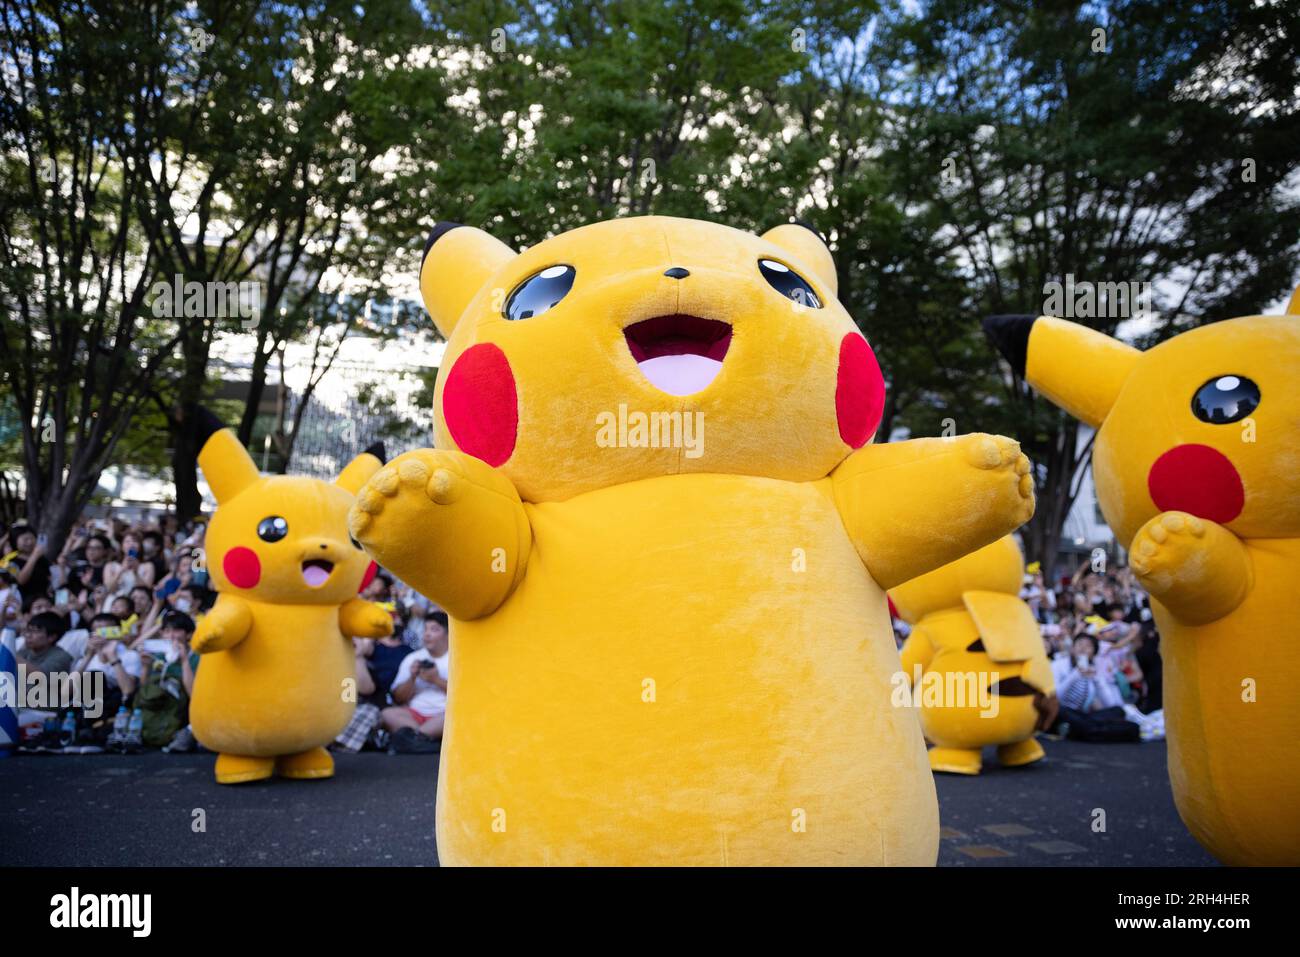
{"x": 449, "y": 525}
{"x": 917, "y": 652}
{"x": 911, "y": 507}
{"x": 359, "y": 618}
{"x": 226, "y": 625}
{"x": 1196, "y": 568}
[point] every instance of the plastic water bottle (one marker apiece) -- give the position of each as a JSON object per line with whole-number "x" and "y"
{"x": 118, "y": 738}
{"x": 135, "y": 731}
{"x": 68, "y": 731}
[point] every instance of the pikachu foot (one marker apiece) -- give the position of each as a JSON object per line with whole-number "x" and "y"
{"x": 316, "y": 763}
{"x": 1021, "y": 753}
{"x": 242, "y": 768}
{"x": 955, "y": 760}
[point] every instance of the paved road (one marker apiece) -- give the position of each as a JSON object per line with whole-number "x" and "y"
{"x": 140, "y": 811}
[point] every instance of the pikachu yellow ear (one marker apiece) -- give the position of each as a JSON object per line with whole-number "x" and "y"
{"x": 806, "y": 245}
{"x": 1293, "y": 307}
{"x": 1077, "y": 368}
{"x": 225, "y": 462}
{"x": 457, "y": 262}
{"x": 357, "y": 472}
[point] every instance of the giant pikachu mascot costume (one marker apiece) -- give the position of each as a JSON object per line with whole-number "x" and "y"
{"x": 1197, "y": 464}
{"x": 971, "y": 628}
{"x": 271, "y": 690}
{"x": 663, "y": 538}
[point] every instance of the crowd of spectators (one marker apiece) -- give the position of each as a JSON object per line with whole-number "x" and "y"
{"x": 121, "y": 599}
{"x": 119, "y": 603}
{"x": 1101, "y": 639}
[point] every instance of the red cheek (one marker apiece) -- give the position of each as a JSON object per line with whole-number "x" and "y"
{"x": 368, "y": 577}
{"x": 859, "y": 391}
{"x": 480, "y": 405}
{"x": 241, "y": 567}
{"x": 1199, "y": 480}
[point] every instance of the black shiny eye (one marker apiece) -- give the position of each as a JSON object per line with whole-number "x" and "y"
{"x": 788, "y": 283}
{"x": 540, "y": 292}
{"x": 1224, "y": 399}
{"x": 272, "y": 528}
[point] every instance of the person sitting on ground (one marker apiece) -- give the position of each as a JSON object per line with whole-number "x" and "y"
{"x": 366, "y": 716}
{"x": 385, "y": 657}
{"x": 420, "y": 691}
{"x": 164, "y": 694}
{"x": 40, "y": 650}
{"x": 106, "y": 652}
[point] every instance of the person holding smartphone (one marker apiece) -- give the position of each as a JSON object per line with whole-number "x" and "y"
{"x": 27, "y": 562}
{"x": 420, "y": 692}
{"x": 106, "y": 652}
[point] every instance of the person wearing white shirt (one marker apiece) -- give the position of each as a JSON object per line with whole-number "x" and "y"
{"x": 420, "y": 689}
{"x": 107, "y": 653}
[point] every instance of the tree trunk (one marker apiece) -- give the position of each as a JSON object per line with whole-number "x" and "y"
{"x": 185, "y": 471}
{"x": 256, "y": 387}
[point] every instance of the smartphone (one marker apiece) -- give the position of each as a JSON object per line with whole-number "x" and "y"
{"x": 61, "y": 596}
{"x": 132, "y": 553}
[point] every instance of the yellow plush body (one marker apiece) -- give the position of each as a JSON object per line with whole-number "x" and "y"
{"x": 671, "y": 654}
{"x": 984, "y": 676}
{"x": 1222, "y": 567}
{"x": 273, "y": 687}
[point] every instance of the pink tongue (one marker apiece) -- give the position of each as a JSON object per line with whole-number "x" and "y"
{"x": 315, "y": 575}
{"x": 681, "y": 374}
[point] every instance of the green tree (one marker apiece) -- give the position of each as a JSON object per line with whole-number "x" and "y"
{"x": 1112, "y": 156}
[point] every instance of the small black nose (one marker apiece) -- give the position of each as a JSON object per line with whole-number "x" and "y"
{"x": 677, "y": 272}
{"x": 324, "y": 546}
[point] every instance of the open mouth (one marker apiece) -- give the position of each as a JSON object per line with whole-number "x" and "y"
{"x": 679, "y": 354}
{"x": 316, "y": 571}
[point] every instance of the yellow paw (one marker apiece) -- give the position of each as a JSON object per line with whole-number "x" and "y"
{"x": 1165, "y": 544}
{"x": 402, "y": 490}
{"x": 996, "y": 453}
{"x": 206, "y": 639}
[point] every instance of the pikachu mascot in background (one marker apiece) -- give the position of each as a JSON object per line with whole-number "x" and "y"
{"x": 1197, "y": 465}
{"x": 663, "y": 538}
{"x": 270, "y": 691}
{"x": 972, "y": 635}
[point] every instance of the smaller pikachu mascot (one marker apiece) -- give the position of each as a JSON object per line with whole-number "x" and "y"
{"x": 1197, "y": 468}
{"x": 272, "y": 689}
{"x": 973, "y": 638}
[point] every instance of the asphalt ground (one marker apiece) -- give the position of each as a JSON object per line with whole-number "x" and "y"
{"x": 1084, "y": 805}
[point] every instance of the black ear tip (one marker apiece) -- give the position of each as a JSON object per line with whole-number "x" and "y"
{"x": 377, "y": 450}
{"x": 812, "y": 229}
{"x": 439, "y": 230}
{"x": 203, "y": 422}
{"x": 1010, "y": 335}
